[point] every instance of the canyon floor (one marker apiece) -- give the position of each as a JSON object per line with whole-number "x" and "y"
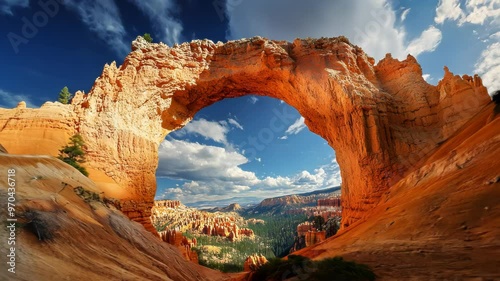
{"x": 439, "y": 222}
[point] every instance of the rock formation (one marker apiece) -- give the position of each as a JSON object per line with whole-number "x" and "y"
{"x": 185, "y": 245}
{"x": 381, "y": 119}
{"x": 183, "y": 219}
{"x": 168, "y": 203}
{"x": 253, "y": 262}
{"x": 329, "y": 202}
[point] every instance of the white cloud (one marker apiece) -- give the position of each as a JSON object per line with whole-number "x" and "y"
{"x": 193, "y": 161}
{"x": 283, "y": 137}
{"x": 296, "y": 127}
{"x": 253, "y": 99}
{"x": 6, "y": 6}
{"x": 371, "y": 25}
{"x": 404, "y": 14}
{"x": 426, "y": 77}
{"x": 448, "y": 9}
{"x": 103, "y": 18}
{"x": 216, "y": 131}
{"x": 488, "y": 67}
{"x": 235, "y": 123}
{"x": 258, "y": 159}
{"x": 475, "y": 12}
{"x": 479, "y": 11}
{"x": 215, "y": 173}
{"x": 161, "y": 14}
{"x": 427, "y": 42}
{"x": 10, "y": 100}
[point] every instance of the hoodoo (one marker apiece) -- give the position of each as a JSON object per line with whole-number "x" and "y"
{"x": 381, "y": 119}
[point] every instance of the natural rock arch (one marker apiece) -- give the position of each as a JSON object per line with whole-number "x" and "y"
{"x": 380, "y": 119}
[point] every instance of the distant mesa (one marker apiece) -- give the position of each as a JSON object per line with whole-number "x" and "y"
{"x": 234, "y": 207}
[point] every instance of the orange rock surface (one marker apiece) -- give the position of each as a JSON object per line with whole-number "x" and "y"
{"x": 253, "y": 262}
{"x": 442, "y": 220}
{"x": 380, "y": 118}
{"x": 185, "y": 245}
{"x": 89, "y": 240}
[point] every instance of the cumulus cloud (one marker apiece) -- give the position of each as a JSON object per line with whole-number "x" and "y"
{"x": 448, "y": 9}
{"x": 10, "y": 100}
{"x": 213, "y": 130}
{"x": 426, "y": 77}
{"x": 371, "y": 25}
{"x": 193, "y": 161}
{"x": 427, "y": 42}
{"x": 480, "y": 11}
{"x": 215, "y": 173}
{"x": 474, "y": 12}
{"x": 103, "y": 18}
{"x": 6, "y": 6}
{"x": 488, "y": 67}
{"x": 161, "y": 14}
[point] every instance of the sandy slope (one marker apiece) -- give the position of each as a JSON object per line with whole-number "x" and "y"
{"x": 90, "y": 241}
{"x": 442, "y": 221}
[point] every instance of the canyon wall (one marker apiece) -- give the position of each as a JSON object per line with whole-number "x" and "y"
{"x": 381, "y": 119}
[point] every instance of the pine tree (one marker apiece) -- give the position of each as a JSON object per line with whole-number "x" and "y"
{"x": 74, "y": 154}
{"x": 148, "y": 37}
{"x": 64, "y": 96}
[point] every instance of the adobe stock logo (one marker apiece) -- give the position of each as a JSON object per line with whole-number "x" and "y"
{"x": 48, "y": 9}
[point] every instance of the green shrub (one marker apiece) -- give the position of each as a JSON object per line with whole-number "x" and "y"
{"x": 74, "y": 154}
{"x": 148, "y": 37}
{"x": 64, "y": 96}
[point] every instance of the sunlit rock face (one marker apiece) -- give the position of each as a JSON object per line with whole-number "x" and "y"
{"x": 381, "y": 119}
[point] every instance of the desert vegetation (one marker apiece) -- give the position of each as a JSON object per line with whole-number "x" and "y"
{"x": 74, "y": 154}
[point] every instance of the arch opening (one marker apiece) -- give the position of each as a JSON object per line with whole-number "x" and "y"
{"x": 260, "y": 139}
{"x": 241, "y": 173}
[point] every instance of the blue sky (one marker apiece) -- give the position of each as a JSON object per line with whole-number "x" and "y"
{"x": 49, "y": 44}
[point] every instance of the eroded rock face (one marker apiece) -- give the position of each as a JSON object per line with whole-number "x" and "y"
{"x": 380, "y": 119}
{"x": 253, "y": 262}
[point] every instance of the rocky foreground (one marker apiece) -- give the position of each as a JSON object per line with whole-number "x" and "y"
{"x": 67, "y": 230}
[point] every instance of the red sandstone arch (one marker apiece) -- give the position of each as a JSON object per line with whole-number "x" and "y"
{"x": 380, "y": 119}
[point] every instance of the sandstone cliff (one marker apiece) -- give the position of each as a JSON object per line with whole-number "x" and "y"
{"x": 62, "y": 236}
{"x": 441, "y": 221}
{"x": 380, "y": 118}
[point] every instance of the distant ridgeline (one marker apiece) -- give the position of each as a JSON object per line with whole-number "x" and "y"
{"x": 292, "y": 204}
